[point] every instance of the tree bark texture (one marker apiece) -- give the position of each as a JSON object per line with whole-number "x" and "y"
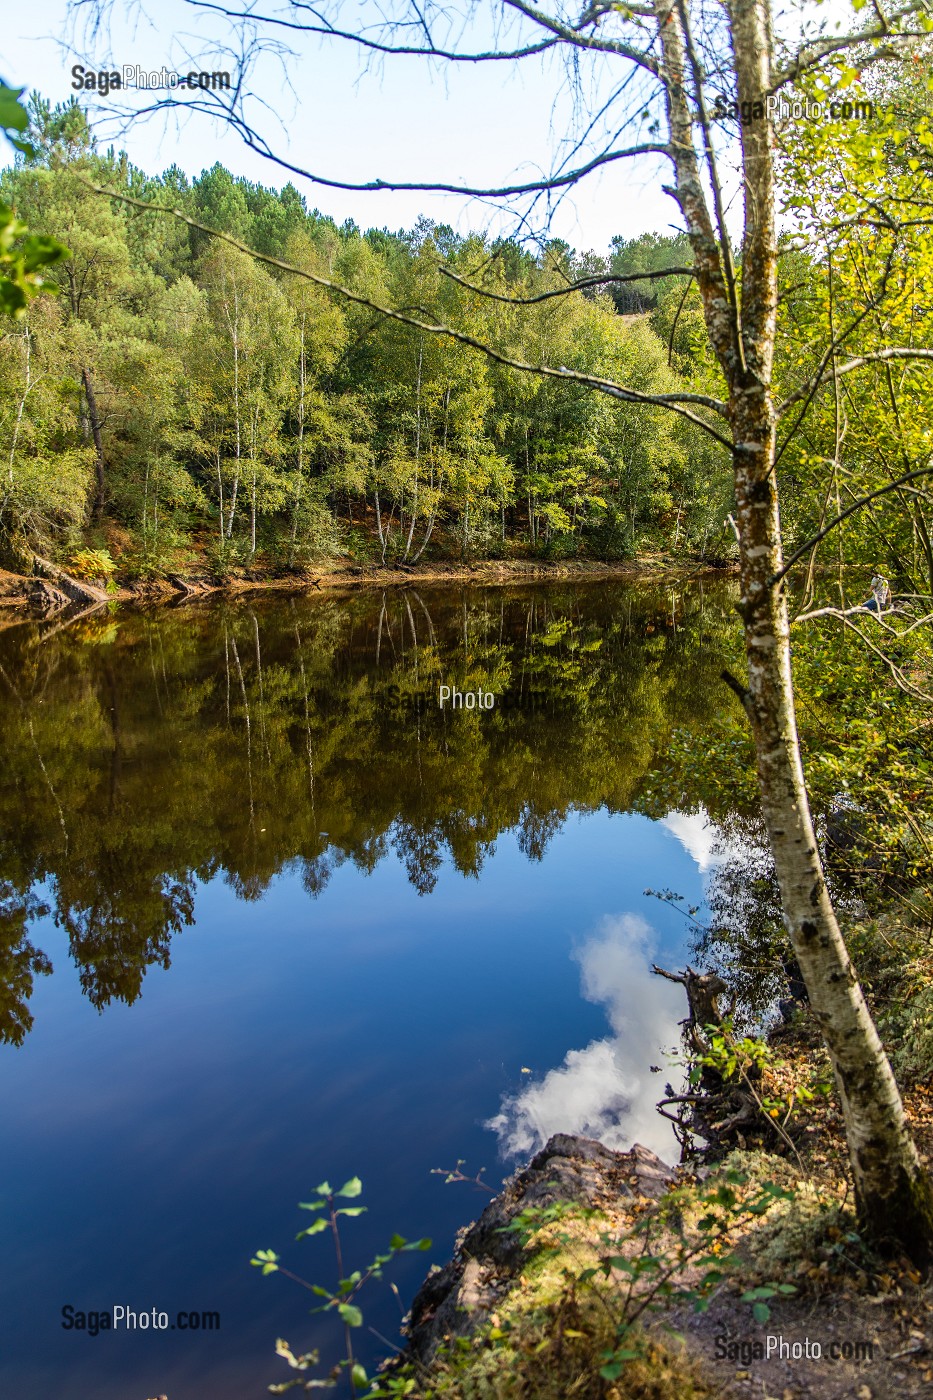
{"x": 893, "y": 1193}
{"x": 95, "y": 426}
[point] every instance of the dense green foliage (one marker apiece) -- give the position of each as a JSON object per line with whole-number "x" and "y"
{"x": 184, "y": 398}
{"x": 859, "y": 281}
{"x": 24, "y": 256}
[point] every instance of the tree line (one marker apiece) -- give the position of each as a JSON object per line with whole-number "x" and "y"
{"x": 177, "y": 395}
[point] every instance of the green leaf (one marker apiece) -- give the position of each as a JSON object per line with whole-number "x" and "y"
{"x": 350, "y": 1314}
{"x": 324, "y": 1189}
{"x": 761, "y": 1312}
{"x": 352, "y": 1210}
{"x": 314, "y": 1228}
{"x": 358, "y": 1375}
{"x": 353, "y": 1187}
{"x": 13, "y": 115}
{"x": 397, "y": 1242}
{"x": 12, "y": 298}
{"x": 311, "y": 1205}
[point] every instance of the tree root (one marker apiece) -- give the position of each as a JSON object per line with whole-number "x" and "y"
{"x": 721, "y": 1113}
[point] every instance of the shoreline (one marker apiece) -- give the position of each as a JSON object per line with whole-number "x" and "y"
{"x": 15, "y": 589}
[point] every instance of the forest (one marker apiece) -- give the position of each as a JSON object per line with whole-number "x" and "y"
{"x": 178, "y": 396}
{"x": 177, "y": 404}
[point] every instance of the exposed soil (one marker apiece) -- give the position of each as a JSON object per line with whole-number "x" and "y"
{"x": 897, "y": 1323}
{"x": 15, "y": 588}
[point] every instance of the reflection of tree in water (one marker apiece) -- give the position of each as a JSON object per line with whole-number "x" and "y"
{"x": 535, "y": 830}
{"x": 316, "y": 873}
{"x": 744, "y": 938}
{"x": 236, "y": 740}
{"x": 421, "y": 854}
{"x": 118, "y": 938}
{"x": 20, "y": 961}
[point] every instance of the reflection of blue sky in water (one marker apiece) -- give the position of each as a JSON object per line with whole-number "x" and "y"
{"x": 607, "y": 1090}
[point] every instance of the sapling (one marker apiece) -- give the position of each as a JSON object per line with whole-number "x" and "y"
{"x": 344, "y": 1298}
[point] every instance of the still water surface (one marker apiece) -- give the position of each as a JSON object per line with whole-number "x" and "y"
{"x": 303, "y": 923}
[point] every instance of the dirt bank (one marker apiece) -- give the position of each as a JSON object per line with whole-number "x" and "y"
{"x": 16, "y": 589}
{"x": 524, "y": 1311}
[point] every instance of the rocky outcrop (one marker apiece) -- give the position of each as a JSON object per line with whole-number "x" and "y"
{"x": 44, "y": 597}
{"x": 457, "y": 1299}
{"x": 71, "y": 590}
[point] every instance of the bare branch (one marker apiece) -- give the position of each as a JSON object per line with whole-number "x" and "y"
{"x": 900, "y": 679}
{"x": 550, "y": 182}
{"x": 875, "y": 357}
{"x": 676, "y": 403}
{"x": 330, "y": 31}
{"x": 572, "y": 35}
{"x": 814, "y": 540}
{"x": 581, "y": 285}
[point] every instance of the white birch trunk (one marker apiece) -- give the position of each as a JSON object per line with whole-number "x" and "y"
{"x": 893, "y": 1193}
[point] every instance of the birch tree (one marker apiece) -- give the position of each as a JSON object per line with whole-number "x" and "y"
{"x": 247, "y": 374}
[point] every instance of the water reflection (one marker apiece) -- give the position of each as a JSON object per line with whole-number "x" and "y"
{"x": 346, "y": 921}
{"x": 146, "y": 752}
{"x": 699, "y": 836}
{"x": 606, "y": 1090}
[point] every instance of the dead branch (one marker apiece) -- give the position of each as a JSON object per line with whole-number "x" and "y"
{"x": 581, "y": 285}
{"x": 75, "y": 590}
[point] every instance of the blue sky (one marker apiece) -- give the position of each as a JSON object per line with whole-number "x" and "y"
{"x": 401, "y": 121}
{"x": 322, "y": 107}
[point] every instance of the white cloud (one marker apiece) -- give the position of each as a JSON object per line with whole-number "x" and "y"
{"x": 699, "y": 837}
{"x": 607, "y": 1091}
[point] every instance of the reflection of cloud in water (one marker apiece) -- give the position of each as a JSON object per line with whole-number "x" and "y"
{"x": 699, "y": 837}
{"x": 607, "y": 1090}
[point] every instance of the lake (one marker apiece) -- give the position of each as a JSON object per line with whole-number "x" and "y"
{"x": 270, "y": 915}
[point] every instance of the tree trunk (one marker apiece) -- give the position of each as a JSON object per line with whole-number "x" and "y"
{"x": 893, "y": 1194}
{"x": 234, "y": 323}
{"x": 414, "y": 506}
{"x": 220, "y": 498}
{"x": 95, "y": 425}
{"x": 302, "y": 385}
